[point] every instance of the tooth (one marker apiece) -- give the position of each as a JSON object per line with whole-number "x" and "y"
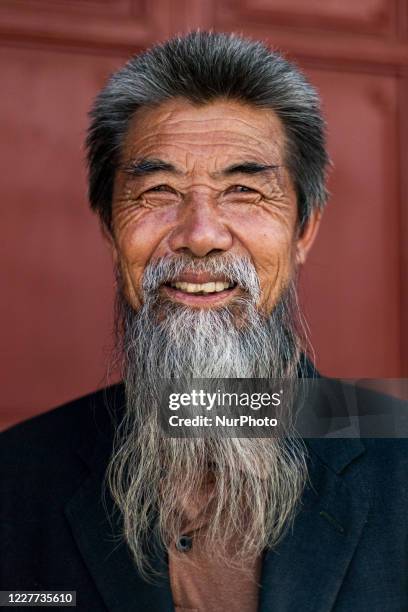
{"x": 201, "y": 287}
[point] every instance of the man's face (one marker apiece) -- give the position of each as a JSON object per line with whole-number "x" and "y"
{"x": 204, "y": 181}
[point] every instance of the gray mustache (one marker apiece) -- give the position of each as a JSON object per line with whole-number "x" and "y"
{"x": 237, "y": 270}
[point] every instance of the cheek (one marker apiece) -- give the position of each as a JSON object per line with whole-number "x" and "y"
{"x": 267, "y": 235}
{"x": 270, "y": 241}
{"x": 138, "y": 240}
{"x": 275, "y": 267}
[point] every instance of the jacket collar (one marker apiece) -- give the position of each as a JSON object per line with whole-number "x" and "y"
{"x": 311, "y": 562}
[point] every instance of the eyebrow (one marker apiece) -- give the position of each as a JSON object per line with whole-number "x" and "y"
{"x": 147, "y": 166}
{"x": 143, "y": 167}
{"x": 248, "y": 167}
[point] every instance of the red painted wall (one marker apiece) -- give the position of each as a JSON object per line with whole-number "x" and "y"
{"x": 56, "y": 307}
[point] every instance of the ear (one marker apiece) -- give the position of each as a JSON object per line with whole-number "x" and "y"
{"x": 110, "y": 241}
{"x": 307, "y": 236}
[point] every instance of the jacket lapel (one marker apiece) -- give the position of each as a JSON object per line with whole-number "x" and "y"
{"x": 308, "y": 567}
{"x": 94, "y": 524}
{"x": 98, "y": 537}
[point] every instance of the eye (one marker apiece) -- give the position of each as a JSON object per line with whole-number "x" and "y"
{"x": 240, "y": 189}
{"x": 161, "y": 188}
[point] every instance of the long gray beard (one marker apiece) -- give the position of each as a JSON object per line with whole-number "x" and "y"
{"x": 257, "y": 481}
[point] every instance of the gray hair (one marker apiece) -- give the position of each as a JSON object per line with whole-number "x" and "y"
{"x": 201, "y": 67}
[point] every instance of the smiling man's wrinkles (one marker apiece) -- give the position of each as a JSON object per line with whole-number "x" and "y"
{"x": 181, "y": 198}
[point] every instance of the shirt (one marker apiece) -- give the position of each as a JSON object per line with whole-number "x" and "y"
{"x": 200, "y": 582}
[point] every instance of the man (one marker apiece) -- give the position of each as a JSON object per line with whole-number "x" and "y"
{"x": 207, "y": 168}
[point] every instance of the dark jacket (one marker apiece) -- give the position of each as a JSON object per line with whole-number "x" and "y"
{"x": 347, "y": 550}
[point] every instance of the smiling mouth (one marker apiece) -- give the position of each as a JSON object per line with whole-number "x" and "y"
{"x": 202, "y": 288}
{"x": 200, "y": 294}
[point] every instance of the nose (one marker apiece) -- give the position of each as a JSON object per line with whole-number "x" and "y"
{"x": 200, "y": 230}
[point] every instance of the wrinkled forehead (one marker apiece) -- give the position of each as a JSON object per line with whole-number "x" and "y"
{"x": 208, "y": 134}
